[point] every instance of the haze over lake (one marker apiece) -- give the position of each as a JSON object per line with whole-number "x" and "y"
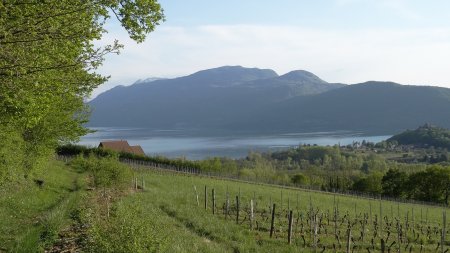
{"x": 196, "y": 145}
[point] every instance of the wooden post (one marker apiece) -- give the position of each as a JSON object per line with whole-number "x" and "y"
{"x": 363, "y": 227}
{"x": 196, "y": 195}
{"x": 227, "y": 206}
{"x": 135, "y": 183}
{"x": 381, "y": 219}
{"x": 213, "y": 202}
{"x": 315, "y": 233}
{"x": 237, "y": 209}
{"x": 272, "y": 223}
{"x": 206, "y": 198}
{"x": 143, "y": 184}
{"x": 289, "y": 203}
{"x": 281, "y": 205}
{"x": 349, "y": 235}
{"x": 407, "y": 221}
{"x": 251, "y": 214}
{"x": 335, "y": 220}
{"x": 290, "y": 227}
{"x": 383, "y": 246}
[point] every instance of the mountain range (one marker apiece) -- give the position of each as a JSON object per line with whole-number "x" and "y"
{"x": 239, "y": 100}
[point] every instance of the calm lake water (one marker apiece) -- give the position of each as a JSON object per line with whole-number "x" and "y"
{"x": 180, "y": 143}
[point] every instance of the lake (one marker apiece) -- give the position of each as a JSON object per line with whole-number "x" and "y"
{"x": 193, "y": 145}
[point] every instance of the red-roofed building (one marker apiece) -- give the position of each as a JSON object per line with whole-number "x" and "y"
{"x": 121, "y": 146}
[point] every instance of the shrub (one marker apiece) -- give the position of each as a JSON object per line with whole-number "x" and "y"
{"x": 106, "y": 171}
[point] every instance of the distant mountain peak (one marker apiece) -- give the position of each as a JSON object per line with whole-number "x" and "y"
{"x": 302, "y": 75}
{"x": 381, "y": 83}
{"x": 148, "y": 80}
{"x": 232, "y": 74}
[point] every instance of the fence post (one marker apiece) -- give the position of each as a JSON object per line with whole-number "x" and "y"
{"x": 213, "y": 202}
{"x": 227, "y": 208}
{"x": 349, "y": 234}
{"x": 251, "y": 214}
{"x": 383, "y": 246}
{"x": 290, "y": 227}
{"x": 196, "y": 195}
{"x": 206, "y": 198}
{"x": 272, "y": 223}
{"x": 381, "y": 218}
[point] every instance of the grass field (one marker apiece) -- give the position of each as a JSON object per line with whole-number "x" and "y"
{"x": 168, "y": 211}
{"x": 31, "y": 216}
{"x": 169, "y": 215}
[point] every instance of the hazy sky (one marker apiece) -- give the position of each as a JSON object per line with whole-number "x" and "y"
{"x": 348, "y": 41}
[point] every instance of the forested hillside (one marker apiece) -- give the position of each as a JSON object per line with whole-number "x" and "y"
{"x": 424, "y": 136}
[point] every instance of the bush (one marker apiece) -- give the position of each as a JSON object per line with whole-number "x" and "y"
{"x": 106, "y": 171}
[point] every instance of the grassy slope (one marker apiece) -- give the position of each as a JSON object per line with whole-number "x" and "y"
{"x": 167, "y": 212}
{"x": 30, "y": 216}
{"x": 165, "y": 216}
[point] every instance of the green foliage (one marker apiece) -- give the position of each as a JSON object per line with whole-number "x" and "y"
{"x": 48, "y": 63}
{"x": 394, "y": 182}
{"x": 370, "y": 184}
{"x": 424, "y": 136}
{"x": 11, "y": 155}
{"x": 430, "y": 185}
{"x": 73, "y": 150}
{"x": 299, "y": 179}
{"x": 107, "y": 172}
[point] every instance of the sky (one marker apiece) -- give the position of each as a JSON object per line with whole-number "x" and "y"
{"x": 345, "y": 41}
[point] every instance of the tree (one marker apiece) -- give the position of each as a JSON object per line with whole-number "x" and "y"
{"x": 48, "y": 62}
{"x": 299, "y": 179}
{"x": 433, "y": 184}
{"x": 370, "y": 184}
{"x": 393, "y": 183}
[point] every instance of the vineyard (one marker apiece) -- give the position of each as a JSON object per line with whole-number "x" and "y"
{"x": 268, "y": 218}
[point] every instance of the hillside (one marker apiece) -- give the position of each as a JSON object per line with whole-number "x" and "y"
{"x": 209, "y": 98}
{"x": 424, "y": 136}
{"x": 237, "y": 99}
{"x": 382, "y": 107}
{"x": 69, "y": 214}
